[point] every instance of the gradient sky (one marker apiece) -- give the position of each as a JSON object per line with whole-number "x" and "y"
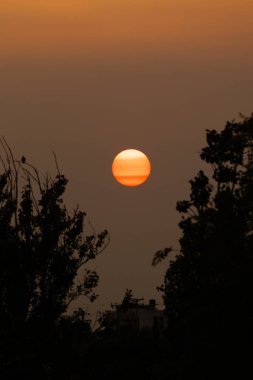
{"x": 88, "y": 79}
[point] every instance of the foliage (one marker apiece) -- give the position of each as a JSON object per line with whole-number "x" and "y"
{"x": 208, "y": 289}
{"x": 160, "y": 255}
{"x": 42, "y": 251}
{"x": 110, "y": 319}
{"x": 128, "y": 301}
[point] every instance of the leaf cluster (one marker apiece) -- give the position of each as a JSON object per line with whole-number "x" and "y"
{"x": 43, "y": 248}
{"x": 207, "y": 288}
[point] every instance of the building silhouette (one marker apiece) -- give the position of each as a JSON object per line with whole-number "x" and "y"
{"x": 138, "y": 317}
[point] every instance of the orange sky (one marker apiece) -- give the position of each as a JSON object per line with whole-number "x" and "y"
{"x": 86, "y": 27}
{"x": 90, "y": 78}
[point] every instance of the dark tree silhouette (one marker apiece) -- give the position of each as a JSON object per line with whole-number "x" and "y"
{"x": 42, "y": 250}
{"x": 128, "y": 301}
{"x": 208, "y": 287}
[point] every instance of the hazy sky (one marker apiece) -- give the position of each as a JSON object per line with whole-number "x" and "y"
{"x": 88, "y": 79}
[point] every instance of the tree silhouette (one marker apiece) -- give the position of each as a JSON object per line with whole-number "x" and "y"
{"x": 208, "y": 290}
{"x": 42, "y": 251}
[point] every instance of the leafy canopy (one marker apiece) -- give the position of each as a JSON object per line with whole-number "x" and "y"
{"x": 217, "y": 222}
{"x": 42, "y": 247}
{"x": 207, "y": 290}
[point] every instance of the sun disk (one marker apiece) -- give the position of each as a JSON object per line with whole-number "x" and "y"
{"x": 131, "y": 167}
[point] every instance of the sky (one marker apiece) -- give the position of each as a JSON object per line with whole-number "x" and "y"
{"x": 89, "y": 78}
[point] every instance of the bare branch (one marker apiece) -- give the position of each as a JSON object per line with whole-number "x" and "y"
{"x": 12, "y": 164}
{"x": 56, "y": 163}
{"x": 3, "y": 163}
{"x": 36, "y": 177}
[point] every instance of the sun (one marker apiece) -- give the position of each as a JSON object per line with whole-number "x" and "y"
{"x": 131, "y": 167}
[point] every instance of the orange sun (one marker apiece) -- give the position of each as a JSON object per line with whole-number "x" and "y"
{"x": 131, "y": 167}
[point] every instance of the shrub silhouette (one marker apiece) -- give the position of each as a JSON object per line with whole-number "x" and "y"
{"x": 208, "y": 290}
{"x": 42, "y": 250}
